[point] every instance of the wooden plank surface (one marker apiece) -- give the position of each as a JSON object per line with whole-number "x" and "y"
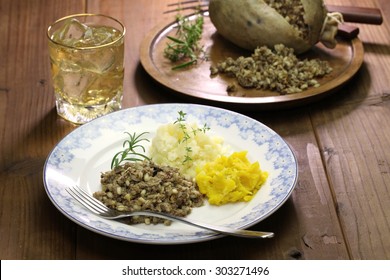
{"x": 339, "y": 209}
{"x": 30, "y": 227}
{"x": 354, "y": 142}
{"x": 312, "y": 233}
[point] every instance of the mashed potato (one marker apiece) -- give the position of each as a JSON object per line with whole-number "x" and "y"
{"x": 230, "y": 179}
{"x": 168, "y": 148}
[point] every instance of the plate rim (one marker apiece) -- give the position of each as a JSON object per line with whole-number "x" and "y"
{"x": 208, "y": 237}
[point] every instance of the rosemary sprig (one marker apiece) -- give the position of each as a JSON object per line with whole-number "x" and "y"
{"x": 185, "y": 47}
{"x": 187, "y": 134}
{"x": 129, "y": 153}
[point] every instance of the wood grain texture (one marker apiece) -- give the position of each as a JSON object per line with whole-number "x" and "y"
{"x": 339, "y": 209}
{"x": 355, "y": 150}
{"x": 354, "y": 139}
{"x": 30, "y": 227}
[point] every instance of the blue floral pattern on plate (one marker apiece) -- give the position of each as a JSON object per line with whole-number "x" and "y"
{"x": 83, "y": 154}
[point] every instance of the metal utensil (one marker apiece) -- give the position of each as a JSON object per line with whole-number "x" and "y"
{"x": 98, "y": 208}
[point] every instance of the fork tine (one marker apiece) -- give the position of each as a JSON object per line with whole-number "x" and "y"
{"x": 180, "y": 6}
{"x": 186, "y": 8}
{"x": 98, "y": 204}
{"x": 81, "y": 200}
{"x": 186, "y": 2}
{"x": 87, "y": 200}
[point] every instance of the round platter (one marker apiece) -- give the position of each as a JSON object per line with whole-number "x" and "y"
{"x": 195, "y": 82}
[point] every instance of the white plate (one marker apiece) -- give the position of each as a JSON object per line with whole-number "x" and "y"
{"x": 83, "y": 154}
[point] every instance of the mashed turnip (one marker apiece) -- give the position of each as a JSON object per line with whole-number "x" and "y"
{"x": 185, "y": 149}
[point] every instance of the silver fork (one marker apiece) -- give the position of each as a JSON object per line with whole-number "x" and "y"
{"x": 98, "y": 208}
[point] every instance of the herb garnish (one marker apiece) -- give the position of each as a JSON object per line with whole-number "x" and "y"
{"x": 129, "y": 153}
{"x": 185, "y": 47}
{"x": 187, "y": 134}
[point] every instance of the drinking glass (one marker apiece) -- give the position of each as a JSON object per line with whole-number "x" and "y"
{"x": 86, "y": 58}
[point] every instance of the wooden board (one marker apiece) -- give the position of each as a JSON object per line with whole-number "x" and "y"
{"x": 196, "y": 82}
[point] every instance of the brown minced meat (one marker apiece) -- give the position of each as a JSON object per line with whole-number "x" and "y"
{"x": 292, "y": 11}
{"x": 143, "y": 185}
{"x": 275, "y": 69}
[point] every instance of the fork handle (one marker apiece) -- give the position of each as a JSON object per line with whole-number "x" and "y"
{"x": 214, "y": 228}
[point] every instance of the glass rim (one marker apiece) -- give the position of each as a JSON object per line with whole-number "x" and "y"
{"x": 85, "y": 15}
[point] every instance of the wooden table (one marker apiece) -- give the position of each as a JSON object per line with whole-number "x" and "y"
{"x": 340, "y": 208}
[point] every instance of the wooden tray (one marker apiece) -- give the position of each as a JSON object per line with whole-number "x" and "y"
{"x": 195, "y": 82}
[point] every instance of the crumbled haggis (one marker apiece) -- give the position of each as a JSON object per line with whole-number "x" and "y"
{"x": 292, "y": 11}
{"x": 213, "y": 71}
{"x": 231, "y": 88}
{"x": 276, "y": 70}
{"x": 144, "y": 185}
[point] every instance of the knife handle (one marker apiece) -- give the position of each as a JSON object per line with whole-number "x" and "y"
{"x": 358, "y": 14}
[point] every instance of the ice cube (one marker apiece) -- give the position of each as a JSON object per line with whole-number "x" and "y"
{"x": 75, "y": 80}
{"x": 99, "y": 61}
{"x": 77, "y": 34}
{"x": 100, "y": 35}
{"x": 71, "y": 32}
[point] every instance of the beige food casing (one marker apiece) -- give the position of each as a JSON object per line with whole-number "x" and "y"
{"x": 252, "y": 23}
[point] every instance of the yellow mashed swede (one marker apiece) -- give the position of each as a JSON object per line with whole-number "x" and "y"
{"x": 230, "y": 179}
{"x": 167, "y": 148}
